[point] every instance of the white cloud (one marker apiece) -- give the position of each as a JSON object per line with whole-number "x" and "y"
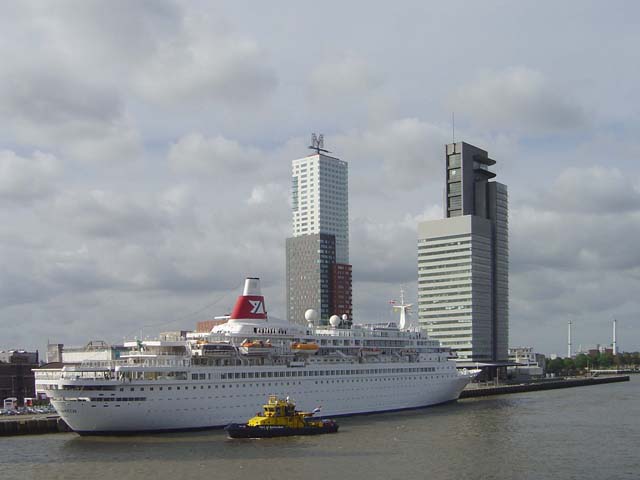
{"x": 402, "y": 154}
{"x": 578, "y": 223}
{"x": 593, "y": 190}
{"x": 51, "y": 109}
{"x": 520, "y": 99}
{"x": 24, "y": 179}
{"x": 45, "y": 95}
{"x": 81, "y": 77}
{"x": 205, "y": 62}
{"x": 113, "y": 215}
{"x": 104, "y": 42}
{"x": 177, "y": 199}
{"x": 214, "y": 156}
{"x": 342, "y": 80}
{"x": 265, "y": 194}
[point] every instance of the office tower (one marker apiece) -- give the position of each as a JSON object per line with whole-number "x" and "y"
{"x": 463, "y": 261}
{"x": 16, "y": 374}
{"x": 309, "y": 261}
{"x": 340, "y": 287}
{"x": 318, "y": 270}
{"x": 320, "y": 199}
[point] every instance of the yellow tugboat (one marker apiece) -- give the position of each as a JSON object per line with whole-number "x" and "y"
{"x": 279, "y": 418}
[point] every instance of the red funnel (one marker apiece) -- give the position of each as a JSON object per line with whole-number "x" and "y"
{"x": 250, "y": 305}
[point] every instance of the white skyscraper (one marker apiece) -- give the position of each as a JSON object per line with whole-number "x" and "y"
{"x": 320, "y": 197}
{"x": 463, "y": 261}
{"x": 318, "y": 270}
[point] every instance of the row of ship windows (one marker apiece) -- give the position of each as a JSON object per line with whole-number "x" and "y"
{"x": 119, "y": 399}
{"x": 172, "y": 376}
{"x": 355, "y": 380}
{"x": 221, "y": 408}
{"x": 317, "y": 373}
{"x": 270, "y": 384}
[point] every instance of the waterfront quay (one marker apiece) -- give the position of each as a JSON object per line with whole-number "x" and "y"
{"x": 32, "y": 424}
{"x": 475, "y": 390}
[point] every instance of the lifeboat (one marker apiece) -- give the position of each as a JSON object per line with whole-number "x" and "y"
{"x": 305, "y": 348}
{"x": 255, "y": 347}
{"x": 279, "y": 418}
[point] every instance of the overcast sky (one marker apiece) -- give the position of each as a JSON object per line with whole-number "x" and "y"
{"x": 146, "y": 147}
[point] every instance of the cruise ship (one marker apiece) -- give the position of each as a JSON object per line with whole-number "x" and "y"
{"x": 212, "y": 379}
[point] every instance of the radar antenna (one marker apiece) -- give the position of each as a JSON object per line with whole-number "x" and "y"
{"x": 317, "y": 143}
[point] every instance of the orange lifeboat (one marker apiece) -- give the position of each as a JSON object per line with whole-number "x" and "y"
{"x": 307, "y": 348}
{"x": 255, "y": 347}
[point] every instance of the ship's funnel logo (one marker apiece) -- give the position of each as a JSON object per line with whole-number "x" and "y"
{"x": 257, "y": 307}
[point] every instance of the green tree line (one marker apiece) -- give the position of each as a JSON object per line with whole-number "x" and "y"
{"x": 583, "y": 362}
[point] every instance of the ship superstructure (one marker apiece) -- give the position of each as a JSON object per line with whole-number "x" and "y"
{"x": 212, "y": 379}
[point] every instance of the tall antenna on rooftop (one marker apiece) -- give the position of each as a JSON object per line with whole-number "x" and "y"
{"x": 453, "y": 127}
{"x": 317, "y": 143}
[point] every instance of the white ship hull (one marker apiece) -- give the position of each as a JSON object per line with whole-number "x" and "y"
{"x": 199, "y": 405}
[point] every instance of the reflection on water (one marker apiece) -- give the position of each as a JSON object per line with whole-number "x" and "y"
{"x": 589, "y": 432}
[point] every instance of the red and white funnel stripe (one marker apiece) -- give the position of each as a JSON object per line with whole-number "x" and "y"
{"x": 250, "y": 305}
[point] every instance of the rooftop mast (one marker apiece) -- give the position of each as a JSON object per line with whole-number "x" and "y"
{"x": 317, "y": 143}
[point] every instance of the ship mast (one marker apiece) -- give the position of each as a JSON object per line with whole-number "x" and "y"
{"x": 404, "y": 308}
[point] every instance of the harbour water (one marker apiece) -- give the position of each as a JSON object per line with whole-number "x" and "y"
{"x": 578, "y": 433}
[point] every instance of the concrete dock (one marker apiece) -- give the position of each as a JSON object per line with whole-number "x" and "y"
{"x": 474, "y": 391}
{"x": 32, "y": 424}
